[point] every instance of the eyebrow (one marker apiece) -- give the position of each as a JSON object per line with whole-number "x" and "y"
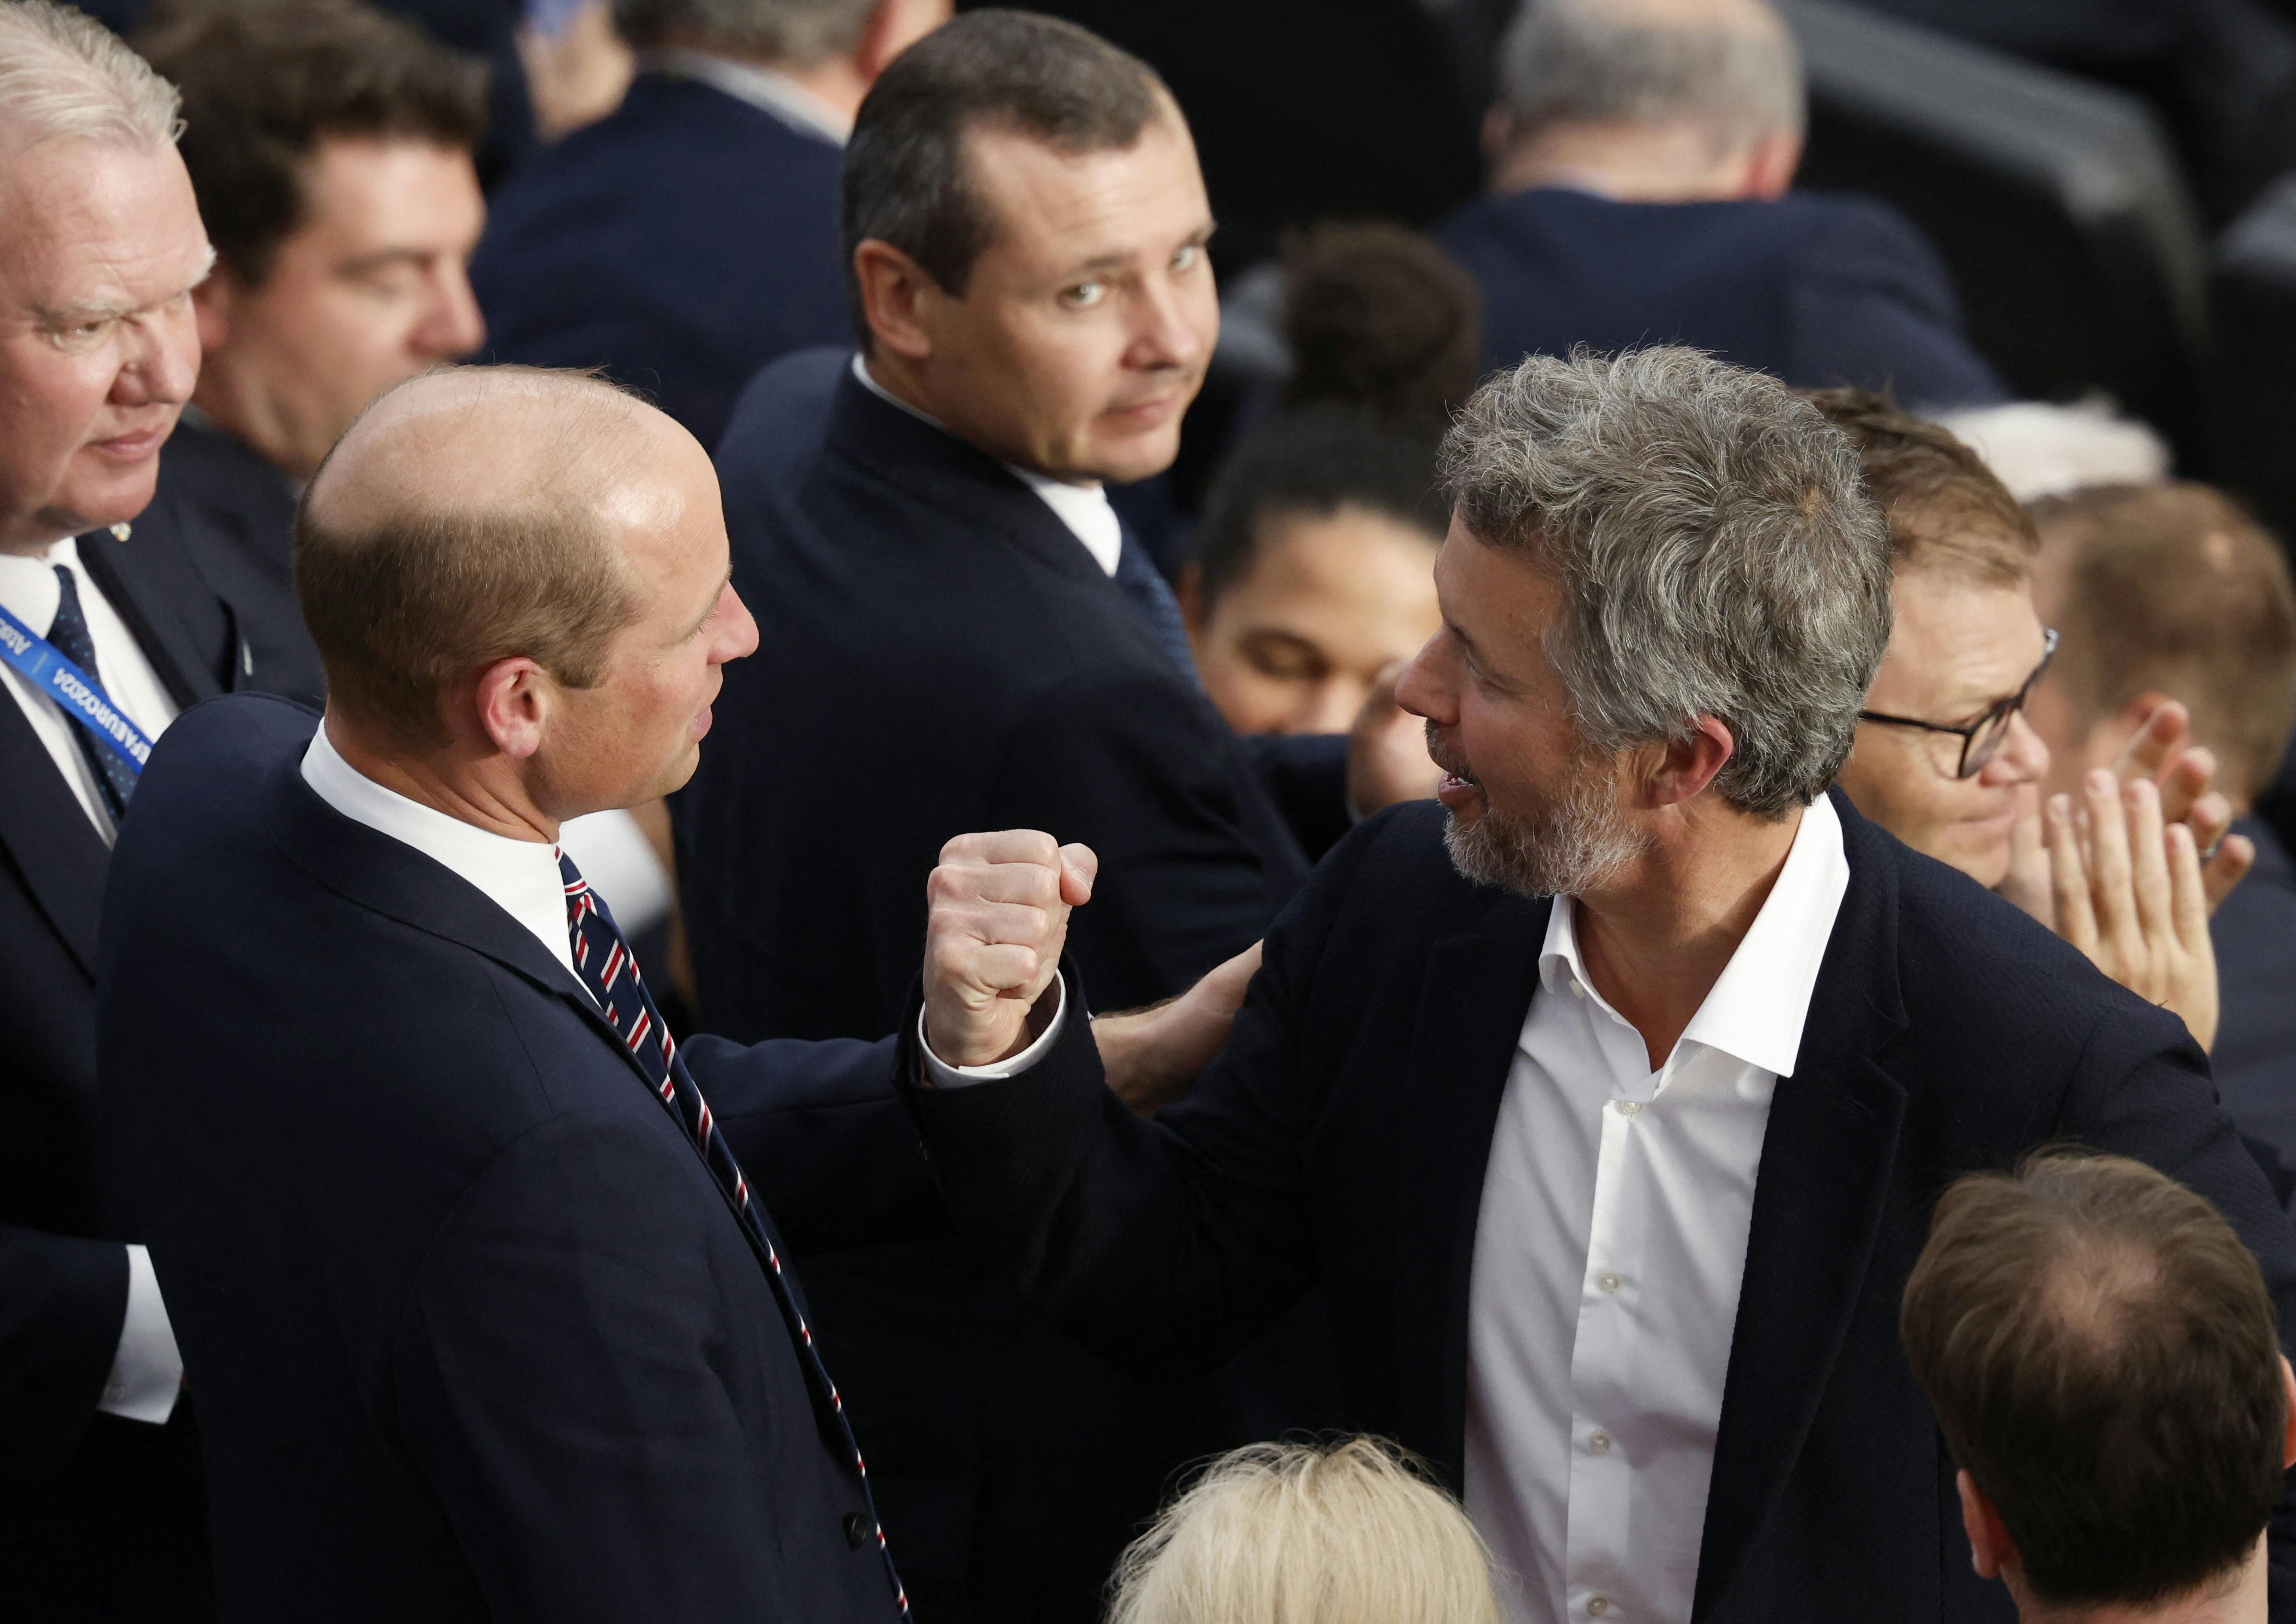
{"x": 384, "y": 257}
{"x": 66, "y": 315}
{"x": 1118, "y": 260}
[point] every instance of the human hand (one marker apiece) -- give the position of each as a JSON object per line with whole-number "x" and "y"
{"x": 2162, "y": 750}
{"x": 1387, "y": 750}
{"x": 2129, "y": 894}
{"x": 2027, "y": 883}
{"x": 1152, "y": 1055}
{"x": 997, "y": 921}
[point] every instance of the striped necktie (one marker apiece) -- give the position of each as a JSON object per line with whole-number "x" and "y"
{"x": 602, "y": 958}
{"x": 1150, "y": 596}
{"x": 69, "y": 634}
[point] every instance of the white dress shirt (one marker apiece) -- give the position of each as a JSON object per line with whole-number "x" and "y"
{"x": 1084, "y": 509}
{"x": 761, "y": 87}
{"x": 29, "y": 591}
{"x": 147, "y": 1372}
{"x": 1608, "y": 1254}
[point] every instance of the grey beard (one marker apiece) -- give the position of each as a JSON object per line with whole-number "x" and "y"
{"x": 1574, "y": 843}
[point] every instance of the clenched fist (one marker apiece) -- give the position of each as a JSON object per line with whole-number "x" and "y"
{"x": 997, "y": 919}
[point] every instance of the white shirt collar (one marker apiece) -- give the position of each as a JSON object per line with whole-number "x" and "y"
{"x": 1761, "y": 1003}
{"x": 1084, "y": 509}
{"x": 761, "y": 87}
{"x": 520, "y": 877}
{"x": 29, "y": 586}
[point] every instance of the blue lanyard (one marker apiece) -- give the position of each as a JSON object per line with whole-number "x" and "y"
{"x": 45, "y": 669}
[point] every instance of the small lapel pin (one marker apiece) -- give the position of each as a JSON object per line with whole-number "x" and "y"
{"x": 121, "y": 532}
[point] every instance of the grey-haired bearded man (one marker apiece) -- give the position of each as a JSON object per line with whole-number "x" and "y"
{"x": 1606, "y": 1101}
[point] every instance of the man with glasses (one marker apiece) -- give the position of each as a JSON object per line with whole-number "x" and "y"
{"x": 1945, "y": 760}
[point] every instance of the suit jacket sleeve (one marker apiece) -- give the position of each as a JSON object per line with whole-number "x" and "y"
{"x": 1163, "y": 1245}
{"x": 63, "y": 1301}
{"x": 553, "y": 1383}
{"x": 2143, "y": 1091}
{"x": 823, "y": 1137}
{"x": 1877, "y": 309}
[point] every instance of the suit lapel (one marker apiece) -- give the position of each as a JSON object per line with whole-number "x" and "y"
{"x": 133, "y": 578}
{"x": 1472, "y": 1001}
{"x": 46, "y": 832}
{"x": 1818, "y": 1200}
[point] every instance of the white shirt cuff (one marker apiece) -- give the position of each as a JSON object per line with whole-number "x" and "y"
{"x": 941, "y": 1074}
{"x": 147, "y": 1373}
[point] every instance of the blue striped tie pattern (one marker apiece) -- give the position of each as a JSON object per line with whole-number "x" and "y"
{"x": 69, "y": 634}
{"x": 603, "y": 959}
{"x": 1140, "y": 581}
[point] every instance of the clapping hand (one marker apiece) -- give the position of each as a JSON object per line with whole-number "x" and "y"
{"x": 997, "y": 922}
{"x": 2131, "y": 894}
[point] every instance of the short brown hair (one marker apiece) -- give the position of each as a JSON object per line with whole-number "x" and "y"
{"x": 265, "y": 81}
{"x": 404, "y": 610}
{"x": 1946, "y": 509}
{"x": 906, "y": 180}
{"x": 2175, "y": 589}
{"x": 2105, "y": 1362}
{"x": 1378, "y": 316}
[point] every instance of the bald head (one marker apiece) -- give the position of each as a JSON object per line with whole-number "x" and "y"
{"x": 479, "y": 514}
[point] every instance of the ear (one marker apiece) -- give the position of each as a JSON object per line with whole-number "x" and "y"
{"x": 894, "y": 288}
{"x": 2288, "y": 1394}
{"x": 1190, "y": 590}
{"x": 512, "y": 703}
{"x": 214, "y": 302}
{"x": 1686, "y": 766}
{"x": 1990, "y": 1550}
{"x": 1770, "y": 170}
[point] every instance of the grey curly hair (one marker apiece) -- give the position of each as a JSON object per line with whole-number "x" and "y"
{"x": 1717, "y": 550}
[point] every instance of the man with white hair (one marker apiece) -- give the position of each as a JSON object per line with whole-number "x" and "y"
{"x": 1606, "y": 1101}
{"x": 104, "y": 637}
{"x": 692, "y": 236}
{"x": 1640, "y": 155}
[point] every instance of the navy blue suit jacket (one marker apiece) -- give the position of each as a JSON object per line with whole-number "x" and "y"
{"x": 2254, "y": 1056}
{"x": 235, "y": 514}
{"x": 681, "y": 243}
{"x": 475, "y": 1335}
{"x": 1815, "y": 289}
{"x": 1342, "y": 1136}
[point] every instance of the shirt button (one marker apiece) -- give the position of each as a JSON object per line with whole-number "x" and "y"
{"x": 1608, "y": 1281}
{"x": 1629, "y": 1108}
{"x": 858, "y": 1529}
{"x": 1600, "y": 1443}
{"x": 1597, "y": 1605}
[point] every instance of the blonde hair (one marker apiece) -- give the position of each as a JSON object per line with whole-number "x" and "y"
{"x": 1345, "y": 1533}
{"x": 64, "y": 75}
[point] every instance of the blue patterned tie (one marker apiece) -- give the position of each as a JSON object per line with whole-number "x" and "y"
{"x": 69, "y": 632}
{"x": 603, "y": 959}
{"x": 1151, "y": 598}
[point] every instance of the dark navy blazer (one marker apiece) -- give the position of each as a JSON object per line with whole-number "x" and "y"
{"x": 681, "y": 242}
{"x": 2254, "y": 1056}
{"x": 1815, "y": 289}
{"x": 474, "y": 1333}
{"x": 235, "y": 513}
{"x": 1341, "y": 1139}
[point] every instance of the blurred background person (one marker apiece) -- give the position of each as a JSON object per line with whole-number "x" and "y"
{"x": 2106, "y": 1364}
{"x": 2172, "y": 594}
{"x": 330, "y": 147}
{"x": 691, "y": 236}
{"x": 577, "y": 66}
{"x": 1313, "y": 570}
{"x": 1379, "y": 317}
{"x": 101, "y": 1511}
{"x": 1946, "y": 760}
{"x": 1641, "y": 156}
{"x": 1349, "y": 1532}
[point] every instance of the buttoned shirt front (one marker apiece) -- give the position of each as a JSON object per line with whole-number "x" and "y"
{"x": 1610, "y": 1250}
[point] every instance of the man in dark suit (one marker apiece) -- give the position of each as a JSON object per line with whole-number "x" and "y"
{"x": 691, "y": 237}
{"x": 1607, "y": 1109}
{"x": 1640, "y": 162}
{"x": 330, "y": 148}
{"x": 101, "y": 1511}
{"x": 480, "y": 1295}
{"x": 960, "y": 623}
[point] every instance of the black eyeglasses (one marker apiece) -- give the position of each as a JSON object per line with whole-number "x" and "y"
{"x": 1981, "y": 739}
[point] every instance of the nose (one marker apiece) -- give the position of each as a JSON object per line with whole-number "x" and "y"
{"x": 2022, "y": 757}
{"x": 737, "y": 635}
{"x": 164, "y": 363}
{"x": 1425, "y": 689}
{"x": 1331, "y": 705}
{"x": 454, "y": 326}
{"x": 1179, "y": 323}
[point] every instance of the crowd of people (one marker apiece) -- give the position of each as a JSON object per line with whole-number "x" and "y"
{"x": 744, "y": 873}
